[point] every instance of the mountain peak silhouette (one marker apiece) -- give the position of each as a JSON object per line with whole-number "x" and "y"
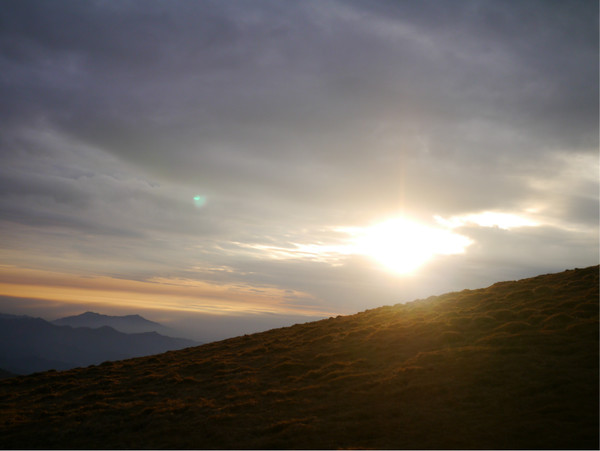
{"x": 510, "y": 366}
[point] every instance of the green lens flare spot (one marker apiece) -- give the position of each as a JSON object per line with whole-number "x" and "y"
{"x": 199, "y": 201}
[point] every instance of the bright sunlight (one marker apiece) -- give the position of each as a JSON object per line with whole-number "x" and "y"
{"x": 402, "y": 245}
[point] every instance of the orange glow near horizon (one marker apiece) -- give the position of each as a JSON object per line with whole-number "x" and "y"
{"x": 157, "y": 294}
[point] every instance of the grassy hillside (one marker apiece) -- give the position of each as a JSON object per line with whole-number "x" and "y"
{"x": 514, "y": 365}
{"x": 5, "y": 374}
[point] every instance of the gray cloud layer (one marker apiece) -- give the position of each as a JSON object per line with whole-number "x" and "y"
{"x": 292, "y": 117}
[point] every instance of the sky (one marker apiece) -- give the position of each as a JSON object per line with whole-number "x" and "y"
{"x": 232, "y": 166}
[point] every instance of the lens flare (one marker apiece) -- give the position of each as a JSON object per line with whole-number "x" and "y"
{"x": 199, "y": 201}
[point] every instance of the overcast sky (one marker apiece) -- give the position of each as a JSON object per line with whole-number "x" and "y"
{"x": 231, "y": 160}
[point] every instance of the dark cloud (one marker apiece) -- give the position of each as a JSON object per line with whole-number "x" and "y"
{"x": 291, "y": 118}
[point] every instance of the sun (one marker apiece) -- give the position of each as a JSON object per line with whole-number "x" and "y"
{"x": 402, "y": 245}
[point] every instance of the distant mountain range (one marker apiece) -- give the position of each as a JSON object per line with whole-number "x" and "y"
{"x": 30, "y": 345}
{"x": 511, "y": 366}
{"x": 129, "y": 324}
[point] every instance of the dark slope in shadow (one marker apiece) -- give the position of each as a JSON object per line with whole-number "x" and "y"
{"x": 514, "y": 365}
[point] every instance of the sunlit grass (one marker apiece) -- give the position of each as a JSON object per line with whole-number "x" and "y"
{"x": 514, "y": 365}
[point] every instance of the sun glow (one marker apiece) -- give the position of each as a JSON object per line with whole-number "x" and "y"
{"x": 501, "y": 220}
{"x": 402, "y": 245}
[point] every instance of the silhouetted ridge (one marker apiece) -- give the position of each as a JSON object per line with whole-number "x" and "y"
{"x": 129, "y": 324}
{"x": 511, "y": 366}
{"x": 126, "y": 324}
{"x": 31, "y": 344}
